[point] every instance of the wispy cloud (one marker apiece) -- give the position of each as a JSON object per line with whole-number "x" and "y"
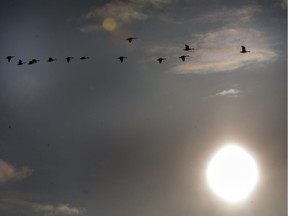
{"x": 243, "y": 14}
{"x": 9, "y": 172}
{"x": 230, "y": 93}
{"x": 122, "y": 12}
{"x": 51, "y": 210}
{"x": 41, "y": 209}
{"x": 219, "y": 51}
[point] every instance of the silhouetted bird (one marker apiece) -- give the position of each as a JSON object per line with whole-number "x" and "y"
{"x": 130, "y": 39}
{"x": 160, "y": 60}
{"x": 244, "y": 50}
{"x": 187, "y": 48}
{"x": 20, "y": 62}
{"x": 51, "y": 59}
{"x": 68, "y": 59}
{"x": 33, "y": 61}
{"x": 183, "y": 57}
{"x": 9, "y": 58}
{"x": 84, "y": 57}
{"x": 121, "y": 58}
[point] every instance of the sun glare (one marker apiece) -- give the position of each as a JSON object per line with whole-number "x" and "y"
{"x": 109, "y": 24}
{"x": 232, "y": 173}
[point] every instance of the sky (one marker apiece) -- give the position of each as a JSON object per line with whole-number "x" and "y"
{"x": 100, "y": 137}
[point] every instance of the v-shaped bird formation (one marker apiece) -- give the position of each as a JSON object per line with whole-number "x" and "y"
{"x": 121, "y": 58}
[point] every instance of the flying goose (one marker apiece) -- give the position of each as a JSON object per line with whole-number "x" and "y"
{"x": 51, "y": 59}
{"x": 121, "y": 58}
{"x": 244, "y": 50}
{"x": 183, "y": 57}
{"x": 84, "y": 57}
{"x": 33, "y": 61}
{"x": 69, "y": 58}
{"x": 130, "y": 39}
{"x": 160, "y": 60}
{"x": 187, "y": 48}
{"x": 9, "y": 58}
{"x": 20, "y": 62}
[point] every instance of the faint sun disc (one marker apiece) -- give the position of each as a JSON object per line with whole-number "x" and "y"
{"x": 232, "y": 173}
{"x": 109, "y": 24}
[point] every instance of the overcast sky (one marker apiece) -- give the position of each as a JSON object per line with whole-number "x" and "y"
{"x": 100, "y": 137}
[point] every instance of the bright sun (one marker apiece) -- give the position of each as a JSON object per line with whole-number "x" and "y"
{"x": 232, "y": 173}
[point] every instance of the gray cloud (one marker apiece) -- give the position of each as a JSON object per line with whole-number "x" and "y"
{"x": 8, "y": 172}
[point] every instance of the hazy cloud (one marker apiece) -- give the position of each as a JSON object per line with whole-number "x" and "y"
{"x": 8, "y": 172}
{"x": 122, "y": 12}
{"x": 283, "y": 4}
{"x": 152, "y": 2}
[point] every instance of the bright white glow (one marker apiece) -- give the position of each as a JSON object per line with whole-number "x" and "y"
{"x": 232, "y": 173}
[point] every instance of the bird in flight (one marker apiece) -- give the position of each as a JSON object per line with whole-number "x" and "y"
{"x": 20, "y": 62}
{"x": 9, "y": 58}
{"x": 51, "y": 59}
{"x": 69, "y": 58}
{"x": 183, "y": 57}
{"x": 187, "y": 48}
{"x": 244, "y": 50}
{"x": 33, "y": 61}
{"x": 130, "y": 39}
{"x": 160, "y": 60}
{"x": 121, "y": 58}
{"x": 84, "y": 57}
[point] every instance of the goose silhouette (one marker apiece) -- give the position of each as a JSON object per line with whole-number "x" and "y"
{"x": 69, "y": 58}
{"x": 183, "y": 57}
{"x": 187, "y": 48}
{"x": 20, "y": 62}
{"x": 121, "y": 58}
{"x": 160, "y": 60}
{"x": 51, "y": 59}
{"x": 33, "y": 61}
{"x": 244, "y": 50}
{"x": 9, "y": 58}
{"x": 84, "y": 57}
{"x": 130, "y": 39}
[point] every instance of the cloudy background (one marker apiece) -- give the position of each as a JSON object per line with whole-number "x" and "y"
{"x": 98, "y": 137}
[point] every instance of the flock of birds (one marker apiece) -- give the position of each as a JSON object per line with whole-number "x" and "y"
{"x": 121, "y": 58}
